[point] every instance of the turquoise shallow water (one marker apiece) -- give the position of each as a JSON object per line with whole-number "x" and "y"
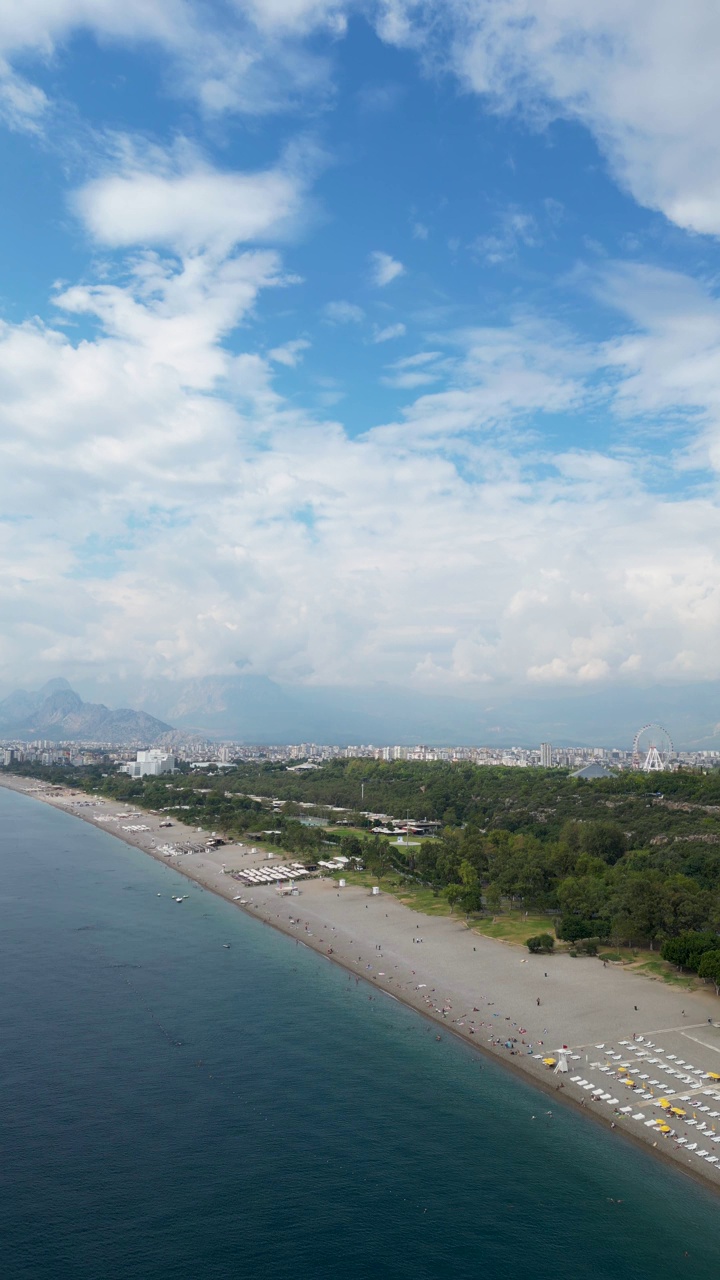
{"x": 172, "y": 1109}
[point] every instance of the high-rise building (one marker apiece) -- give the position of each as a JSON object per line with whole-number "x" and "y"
{"x": 546, "y": 755}
{"x": 150, "y": 763}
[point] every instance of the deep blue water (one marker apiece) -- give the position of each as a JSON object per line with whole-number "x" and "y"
{"x": 172, "y": 1109}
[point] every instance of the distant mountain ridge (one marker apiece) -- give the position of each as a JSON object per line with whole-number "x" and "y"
{"x": 58, "y": 713}
{"x": 256, "y": 709}
{"x": 253, "y": 708}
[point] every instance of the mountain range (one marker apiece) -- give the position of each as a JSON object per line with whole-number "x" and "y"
{"x": 58, "y": 714}
{"x": 256, "y": 709}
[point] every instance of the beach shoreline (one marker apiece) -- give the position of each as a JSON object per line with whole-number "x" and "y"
{"x": 438, "y": 967}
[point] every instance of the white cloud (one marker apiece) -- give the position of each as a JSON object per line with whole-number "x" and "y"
{"x": 640, "y": 74}
{"x": 297, "y": 15}
{"x": 667, "y": 365}
{"x": 291, "y": 353}
{"x": 177, "y": 200}
{"x": 389, "y": 332}
{"x": 343, "y": 313}
{"x": 516, "y": 229}
{"x": 246, "y": 57}
{"x": 151, "y": 481}
{"x": 22, "y": 105}
{"x": 384, "y": 268}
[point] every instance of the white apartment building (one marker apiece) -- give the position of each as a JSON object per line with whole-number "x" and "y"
{"x": 151, "y": 764}
{"x": 546, "y": 755}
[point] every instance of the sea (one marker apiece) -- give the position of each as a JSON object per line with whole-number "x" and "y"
{"x": 175, "y": 1109}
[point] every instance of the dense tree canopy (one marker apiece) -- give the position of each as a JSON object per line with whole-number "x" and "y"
{"x": 610, "y": 858}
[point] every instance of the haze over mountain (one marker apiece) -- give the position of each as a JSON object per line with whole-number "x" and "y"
{"x": 255, "y": 709}
{"x": 59, "y": 714}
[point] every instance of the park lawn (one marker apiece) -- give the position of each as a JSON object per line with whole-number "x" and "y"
{"x": 425, "y": 900}
{"x": 652, "y": 966}
{"x": 514, "y": 926}
{"x": 417, "y": 897}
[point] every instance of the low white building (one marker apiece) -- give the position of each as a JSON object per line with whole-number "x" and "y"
{"x": 151, "y": 764}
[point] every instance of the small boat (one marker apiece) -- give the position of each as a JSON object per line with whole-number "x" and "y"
{"x": 226, "y": 946}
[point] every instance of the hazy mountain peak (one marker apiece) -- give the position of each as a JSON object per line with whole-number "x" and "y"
{"x": 57, "y": 712}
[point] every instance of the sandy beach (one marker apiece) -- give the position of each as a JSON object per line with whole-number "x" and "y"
{"x": 498, "y": 998}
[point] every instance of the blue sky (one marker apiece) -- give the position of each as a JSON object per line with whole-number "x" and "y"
{"x": 358, "y": 341}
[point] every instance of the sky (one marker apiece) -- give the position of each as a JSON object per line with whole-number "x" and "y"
{"x": 361, "y": 342}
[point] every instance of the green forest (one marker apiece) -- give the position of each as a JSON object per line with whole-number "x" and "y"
{"x": 631, "y": 859}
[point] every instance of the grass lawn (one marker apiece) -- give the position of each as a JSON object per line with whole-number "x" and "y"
{"x": 417, "y": 897}
{"x": 514, "y": 926}
{"x": 651, "y": 965}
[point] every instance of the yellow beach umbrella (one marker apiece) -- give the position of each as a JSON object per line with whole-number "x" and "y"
{"x": 678, "y": 1111}
{"x": 664, "y": 1103}
{"x": 629, "y": 1082}
{"x": 664, "y": 1128}
{"x": 550, "y": 1062}
{"x": 713, "y": 1075}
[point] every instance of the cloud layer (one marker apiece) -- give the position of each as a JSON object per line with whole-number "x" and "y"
{"x": 541, "y": 508}
{"x": 166, "y": 509}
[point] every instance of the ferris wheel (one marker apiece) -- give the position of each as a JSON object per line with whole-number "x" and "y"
{"x": 652, "y": 749}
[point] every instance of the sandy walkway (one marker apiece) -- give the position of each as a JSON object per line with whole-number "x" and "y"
{"x": 484, "y": 991}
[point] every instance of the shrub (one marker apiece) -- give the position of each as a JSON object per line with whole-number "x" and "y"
{"x": 588, "y": 946}
{"x": 542, "y": 942}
